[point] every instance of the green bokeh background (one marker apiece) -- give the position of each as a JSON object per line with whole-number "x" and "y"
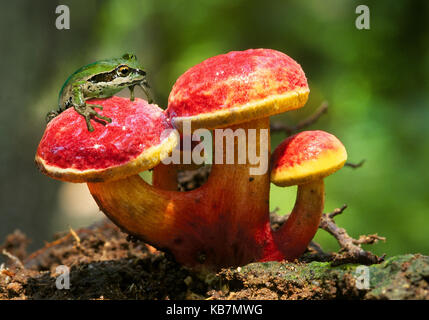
{"x": 376, "y": 83}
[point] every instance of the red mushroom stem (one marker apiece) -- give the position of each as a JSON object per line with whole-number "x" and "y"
{"x": 294, "y": 236}
{"x": 165, "y": 176}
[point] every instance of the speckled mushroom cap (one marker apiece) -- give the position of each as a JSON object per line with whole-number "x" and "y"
{"x": 134, "y": 141}
{"x": 237, "y": 87}
{"x": 305, "y": 157}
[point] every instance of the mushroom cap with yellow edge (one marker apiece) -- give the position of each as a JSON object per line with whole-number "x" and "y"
{"x": 306, "y": 156}
{"x": 137, "y": 139}
{"x": 237, "y": 87}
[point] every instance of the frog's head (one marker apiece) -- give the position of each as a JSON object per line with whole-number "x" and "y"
{"x": 129, "y": 71}
{"x": 120, "y": 72}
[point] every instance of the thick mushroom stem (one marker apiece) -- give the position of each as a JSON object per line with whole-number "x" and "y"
{"x": 219, "y": 224}
{"x": 294, "y": 236}
{"x": 165, "y": 176}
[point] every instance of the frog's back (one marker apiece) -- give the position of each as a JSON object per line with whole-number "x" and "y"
{"x": 83, "y": 74}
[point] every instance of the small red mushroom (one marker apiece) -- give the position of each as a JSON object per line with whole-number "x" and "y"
{"x": 305, "y": 159}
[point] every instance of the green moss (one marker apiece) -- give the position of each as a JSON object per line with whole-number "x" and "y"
{"x": 399, "y": 277}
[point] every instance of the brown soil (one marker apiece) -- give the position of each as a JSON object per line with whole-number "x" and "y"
{"x": 105, "y": 264}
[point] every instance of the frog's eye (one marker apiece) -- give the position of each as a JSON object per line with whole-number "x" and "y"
{"x": 123, "y": 71}
{"x": 129, "y": 56}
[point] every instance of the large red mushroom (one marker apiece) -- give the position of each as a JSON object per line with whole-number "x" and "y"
{"x": 226, "y": 221}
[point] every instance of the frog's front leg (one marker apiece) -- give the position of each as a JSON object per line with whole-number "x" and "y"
{"x": 145, "y": 86}
{"x": 131, "y": 88}
{"x": 88, "y": 112}
{"x": 84, "y": 109}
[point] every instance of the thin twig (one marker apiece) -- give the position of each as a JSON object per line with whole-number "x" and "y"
{"x": 13, "y": 258}
{"x": 355, "y": 165}
{"x": 323, "y": 108}
{"x": 276, "y": 219}
{"x": 275, "y": 211}
{"x": 289, "y": 130}
{"x": 75, "y": 236}
{"x": 337, "y": 211}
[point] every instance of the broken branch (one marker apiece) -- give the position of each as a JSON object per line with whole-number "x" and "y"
{"x": 350, "y": 247}
{"x": 15, "y": 259}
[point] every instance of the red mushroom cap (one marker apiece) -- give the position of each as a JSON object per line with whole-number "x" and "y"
{"x": 132, "y": 143}
{"x": 237, "y": 87}
{"x": 307, "y": 156}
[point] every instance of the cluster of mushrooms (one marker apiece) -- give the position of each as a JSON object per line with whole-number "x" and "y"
{"x": 225, "y": 222}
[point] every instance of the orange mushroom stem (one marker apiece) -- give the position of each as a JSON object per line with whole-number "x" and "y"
{"x": 165, "y": 176}
{"x": 213, "y": 226}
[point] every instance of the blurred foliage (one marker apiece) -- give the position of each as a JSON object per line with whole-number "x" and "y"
{"x": 376, "y": 82}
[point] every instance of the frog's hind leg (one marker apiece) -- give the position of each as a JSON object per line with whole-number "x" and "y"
{"x": 61, "y": 107}
{"x": 51, "y": 115}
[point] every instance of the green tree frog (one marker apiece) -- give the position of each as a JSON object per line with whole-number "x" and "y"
{"x": 101, "y": 79}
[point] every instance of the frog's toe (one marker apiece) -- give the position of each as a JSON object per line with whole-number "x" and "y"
{"x": 88, "y": 124}
{"x": 104, "y": 118}
{"x": 99, "y": 116}
{"x": 92, "y": 106}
